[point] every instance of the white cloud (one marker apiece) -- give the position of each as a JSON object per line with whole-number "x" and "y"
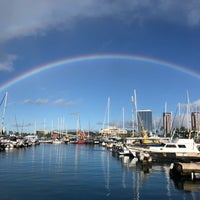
{"x": 26, "y": 17}
{"x": 37, "y": 101}
{"x": 62, "y": 102}
{"x": 58, "y": 102}
{"x": 6, "y": 62}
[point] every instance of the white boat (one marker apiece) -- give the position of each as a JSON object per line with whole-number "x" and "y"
{"x": 179, "y": 150}
{"x": 57, "y": 141}
{"x": 133, "y": 150}
{"x": 32, "y": 138}
{"x": 124, "y": 151}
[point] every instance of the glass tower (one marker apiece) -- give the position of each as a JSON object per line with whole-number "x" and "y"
{"x": 144, "y": 118}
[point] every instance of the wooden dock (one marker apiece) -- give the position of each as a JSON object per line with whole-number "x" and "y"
{"x": 187, "y": 170}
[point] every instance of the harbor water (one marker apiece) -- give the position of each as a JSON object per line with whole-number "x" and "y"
{"x": 71, "y": 171}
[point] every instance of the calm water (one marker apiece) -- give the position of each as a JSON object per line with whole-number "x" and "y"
{"x": 68, "y": 171}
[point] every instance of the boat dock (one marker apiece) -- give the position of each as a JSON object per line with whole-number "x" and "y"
{"x": 185, "y": 170}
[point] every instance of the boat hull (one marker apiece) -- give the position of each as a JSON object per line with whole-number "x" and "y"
{"x": 172, "y": 157}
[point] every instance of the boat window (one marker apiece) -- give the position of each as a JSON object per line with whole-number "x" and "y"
{"x": 181, "y": 146}
{"x": 171, "y": 146}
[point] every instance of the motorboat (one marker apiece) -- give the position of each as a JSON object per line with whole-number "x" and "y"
{"x": 181, "y": 149}
{"x": 57, "y": 141}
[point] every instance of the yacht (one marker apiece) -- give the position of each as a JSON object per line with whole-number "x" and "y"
{"x": 179, "y": 150}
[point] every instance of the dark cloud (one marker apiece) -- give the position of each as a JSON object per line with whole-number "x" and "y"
{"x": 28, "y": 17}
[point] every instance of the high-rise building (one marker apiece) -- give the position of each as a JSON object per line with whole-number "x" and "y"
{"x": 195, "y": 124}
{"x": 144, "y": 119}
{"x": 167, "y": 123}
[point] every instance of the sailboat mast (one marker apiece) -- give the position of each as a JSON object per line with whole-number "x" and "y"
{"x": 44, "y": 125}
{"x": 35, "y": 128}
{"x": 188, "y": 110}
{"x": 132, "y": 100}
{"x": 123, "y": 116}
{"x": 16, "y": 124}
{"x": 135, "y": 101}
{"x": 179, "y": 116}
{"x": 3, "y": 115}
{"x": 108, "y": 112}
{"x": 78, "y": 124}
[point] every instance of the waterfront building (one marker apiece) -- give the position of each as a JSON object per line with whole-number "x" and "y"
{"x": 167, "y": 123}
{"x": 42, "y": 132}
{"x": 144, "y": 118}
{"x": 195, "y": 124}
{"x": 112, "y": 131}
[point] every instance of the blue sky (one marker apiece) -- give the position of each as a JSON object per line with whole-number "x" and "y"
{"x": 38, "y": 33}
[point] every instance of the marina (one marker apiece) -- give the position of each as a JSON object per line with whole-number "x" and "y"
{"x": 99, "y": 100}
{"x": 186, "y": 150}
{"x": 58, "y": 171}
{"x": 113, "y": 163}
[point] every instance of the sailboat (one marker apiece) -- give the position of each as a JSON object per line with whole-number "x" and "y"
{"x": 80, "y": 135}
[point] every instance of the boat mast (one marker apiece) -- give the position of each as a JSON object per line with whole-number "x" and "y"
{"x": 123, "y": 116}
{"x": 188, "y": 112}
{"x": 135, "y": 103}
{"x": 78, "y": 124}
{"x": 3, "y": 115}
{"x": 52, "y": 127}
{"x": 132, "y": 100}
{"x": 44, "y": 125}
{"x": 35, "y": 127}
{"x": 179, "y": 116}
{"x": 165, "y": 121}
{"x": 108, "y": 112}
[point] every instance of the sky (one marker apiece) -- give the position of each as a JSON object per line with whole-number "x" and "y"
{"x": 63, "y": 59}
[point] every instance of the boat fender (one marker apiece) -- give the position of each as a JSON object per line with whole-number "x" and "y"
{"x": 141, "y": 157}
{"x": 149, "y": 159}
{"x": 146, "y": 154}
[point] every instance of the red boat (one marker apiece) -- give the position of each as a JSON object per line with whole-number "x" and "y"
{"x": 80, "y": 141}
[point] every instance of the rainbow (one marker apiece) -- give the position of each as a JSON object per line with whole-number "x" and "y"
{"x": 95, "y": 57}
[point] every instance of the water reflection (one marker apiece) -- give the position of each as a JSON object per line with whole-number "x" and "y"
{"x": 187, "y": 185}
{"x": 76, "y": 158}
{"x": 106, "y": 170}
{"x": 141, "y": 172}
{"x": 89, "y": 169}
{"x": 128, "y": 162}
